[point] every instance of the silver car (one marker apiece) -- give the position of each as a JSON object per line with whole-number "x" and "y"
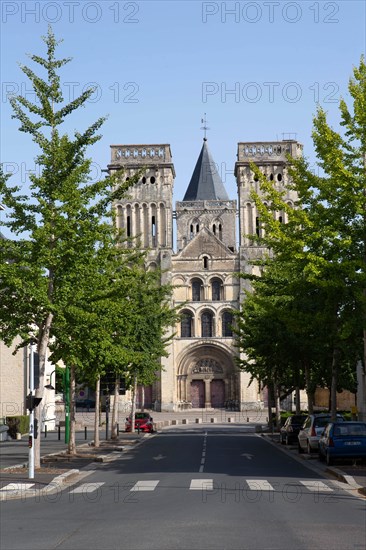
{"x": 312, "y": 429}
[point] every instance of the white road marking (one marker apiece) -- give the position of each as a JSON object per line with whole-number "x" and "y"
{"x": 201, "y": 485}
{"x": 146, "y": 485}
{"x": 316, "y": 486}
{"x": 17, "y": 487}
{"x": 259, "y": 485}
{"x": 87, "y": 488}
{"x": 203, "y": 456}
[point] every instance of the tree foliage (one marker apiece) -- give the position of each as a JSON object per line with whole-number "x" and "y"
{"x": 319, "y": 253}
{"x": 60, "y": 225}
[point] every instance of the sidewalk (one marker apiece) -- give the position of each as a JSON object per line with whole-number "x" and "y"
{"x": 352, "y": 474}
{"x": 57, "y": 468}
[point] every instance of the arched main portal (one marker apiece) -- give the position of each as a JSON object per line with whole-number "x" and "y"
{"x": 207, "y": 378}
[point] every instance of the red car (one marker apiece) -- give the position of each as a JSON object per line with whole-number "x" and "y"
{"x": 143, "y": 423}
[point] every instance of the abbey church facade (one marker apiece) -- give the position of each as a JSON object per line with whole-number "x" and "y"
{"x": 201, "y": 370}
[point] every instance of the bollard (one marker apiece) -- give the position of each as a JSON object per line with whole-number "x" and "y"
{"x": 86, "y": 432}
{"x": 45, "y": 430}
{"x": 117, "y": 428}
{"x": 59, "y": 432}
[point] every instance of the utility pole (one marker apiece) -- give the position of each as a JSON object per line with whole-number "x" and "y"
{"x": 31, "y": 413}
{"x": 31, "y": 403}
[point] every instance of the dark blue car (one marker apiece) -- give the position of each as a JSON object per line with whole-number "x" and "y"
{"x": 343, "y": 440}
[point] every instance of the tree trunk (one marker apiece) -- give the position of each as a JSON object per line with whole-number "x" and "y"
{"x": 115, "y": 410}
{"x": 334, "y": 384}
{"x": 142, "y": 398}
{"x": 42, "y": 346}
{"x": 277, "y": 405}
{"x": 133, "y": 404}
{"x": 309, "y": 387}
{"x": 297, "y": 398}
{"x": 269, "y": 406}
{"x": 96, "y": 416}
{"x": 72, "y": 443}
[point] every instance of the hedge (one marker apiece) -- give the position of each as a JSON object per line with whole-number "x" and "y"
{"x": 17, "y": 424}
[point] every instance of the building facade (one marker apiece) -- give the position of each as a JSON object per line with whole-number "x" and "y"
{"x": 201, "y": 370}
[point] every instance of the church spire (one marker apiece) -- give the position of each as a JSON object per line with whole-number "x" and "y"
{"x": 205, "y": 183}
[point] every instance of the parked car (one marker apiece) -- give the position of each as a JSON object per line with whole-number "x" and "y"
{"x": 311, "y": 430}
{"x": 343, "y": 440}
{"x": 291, "y": 428}
{"x": 143, "y": 422}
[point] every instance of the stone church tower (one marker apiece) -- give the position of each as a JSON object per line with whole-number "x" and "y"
{"x": 201, "y": 370}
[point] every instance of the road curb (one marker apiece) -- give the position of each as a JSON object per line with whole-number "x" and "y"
{"x": 345, "y": 478}
{"x": 61, "y": 479}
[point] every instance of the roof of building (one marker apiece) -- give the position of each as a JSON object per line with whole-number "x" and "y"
{"x": 205, "y": 183}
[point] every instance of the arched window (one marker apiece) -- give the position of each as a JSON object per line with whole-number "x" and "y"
{"x": 216, "y": 290}
{"x": 205, "y": 262}
{"x": 227, "y": 323}
{"x": 186, "y": 324}
{"x": 257, "y": 227}
{"x": 207, "y": 324}
{"x": 197, "y": 289}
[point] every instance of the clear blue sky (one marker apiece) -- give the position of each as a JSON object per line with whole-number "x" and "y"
{"x": 160, "y": 66}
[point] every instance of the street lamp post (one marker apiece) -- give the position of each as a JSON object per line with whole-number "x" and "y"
{"x": 31, "y": 403}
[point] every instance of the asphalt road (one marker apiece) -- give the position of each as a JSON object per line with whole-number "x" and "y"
{"x": 203, "y": 489}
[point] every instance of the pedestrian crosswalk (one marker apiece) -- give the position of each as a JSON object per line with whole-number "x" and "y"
{"x": 87, "y": 488}
{"x": 201, "y": 484}
{"x": 17, "y": 487}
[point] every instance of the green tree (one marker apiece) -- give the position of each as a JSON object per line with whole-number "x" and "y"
{"x": 60, "y": 223}
{"x": 325, "y": 234}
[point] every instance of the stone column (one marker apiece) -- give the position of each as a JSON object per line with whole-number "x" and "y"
{"x": 185, "y": 389}
{"x": 208, "y": 392}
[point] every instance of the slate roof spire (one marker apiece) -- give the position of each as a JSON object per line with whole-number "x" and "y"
{"x": 205, "y": 182}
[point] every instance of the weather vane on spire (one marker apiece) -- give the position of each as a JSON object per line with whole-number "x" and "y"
{"x": 204, "y": 127}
